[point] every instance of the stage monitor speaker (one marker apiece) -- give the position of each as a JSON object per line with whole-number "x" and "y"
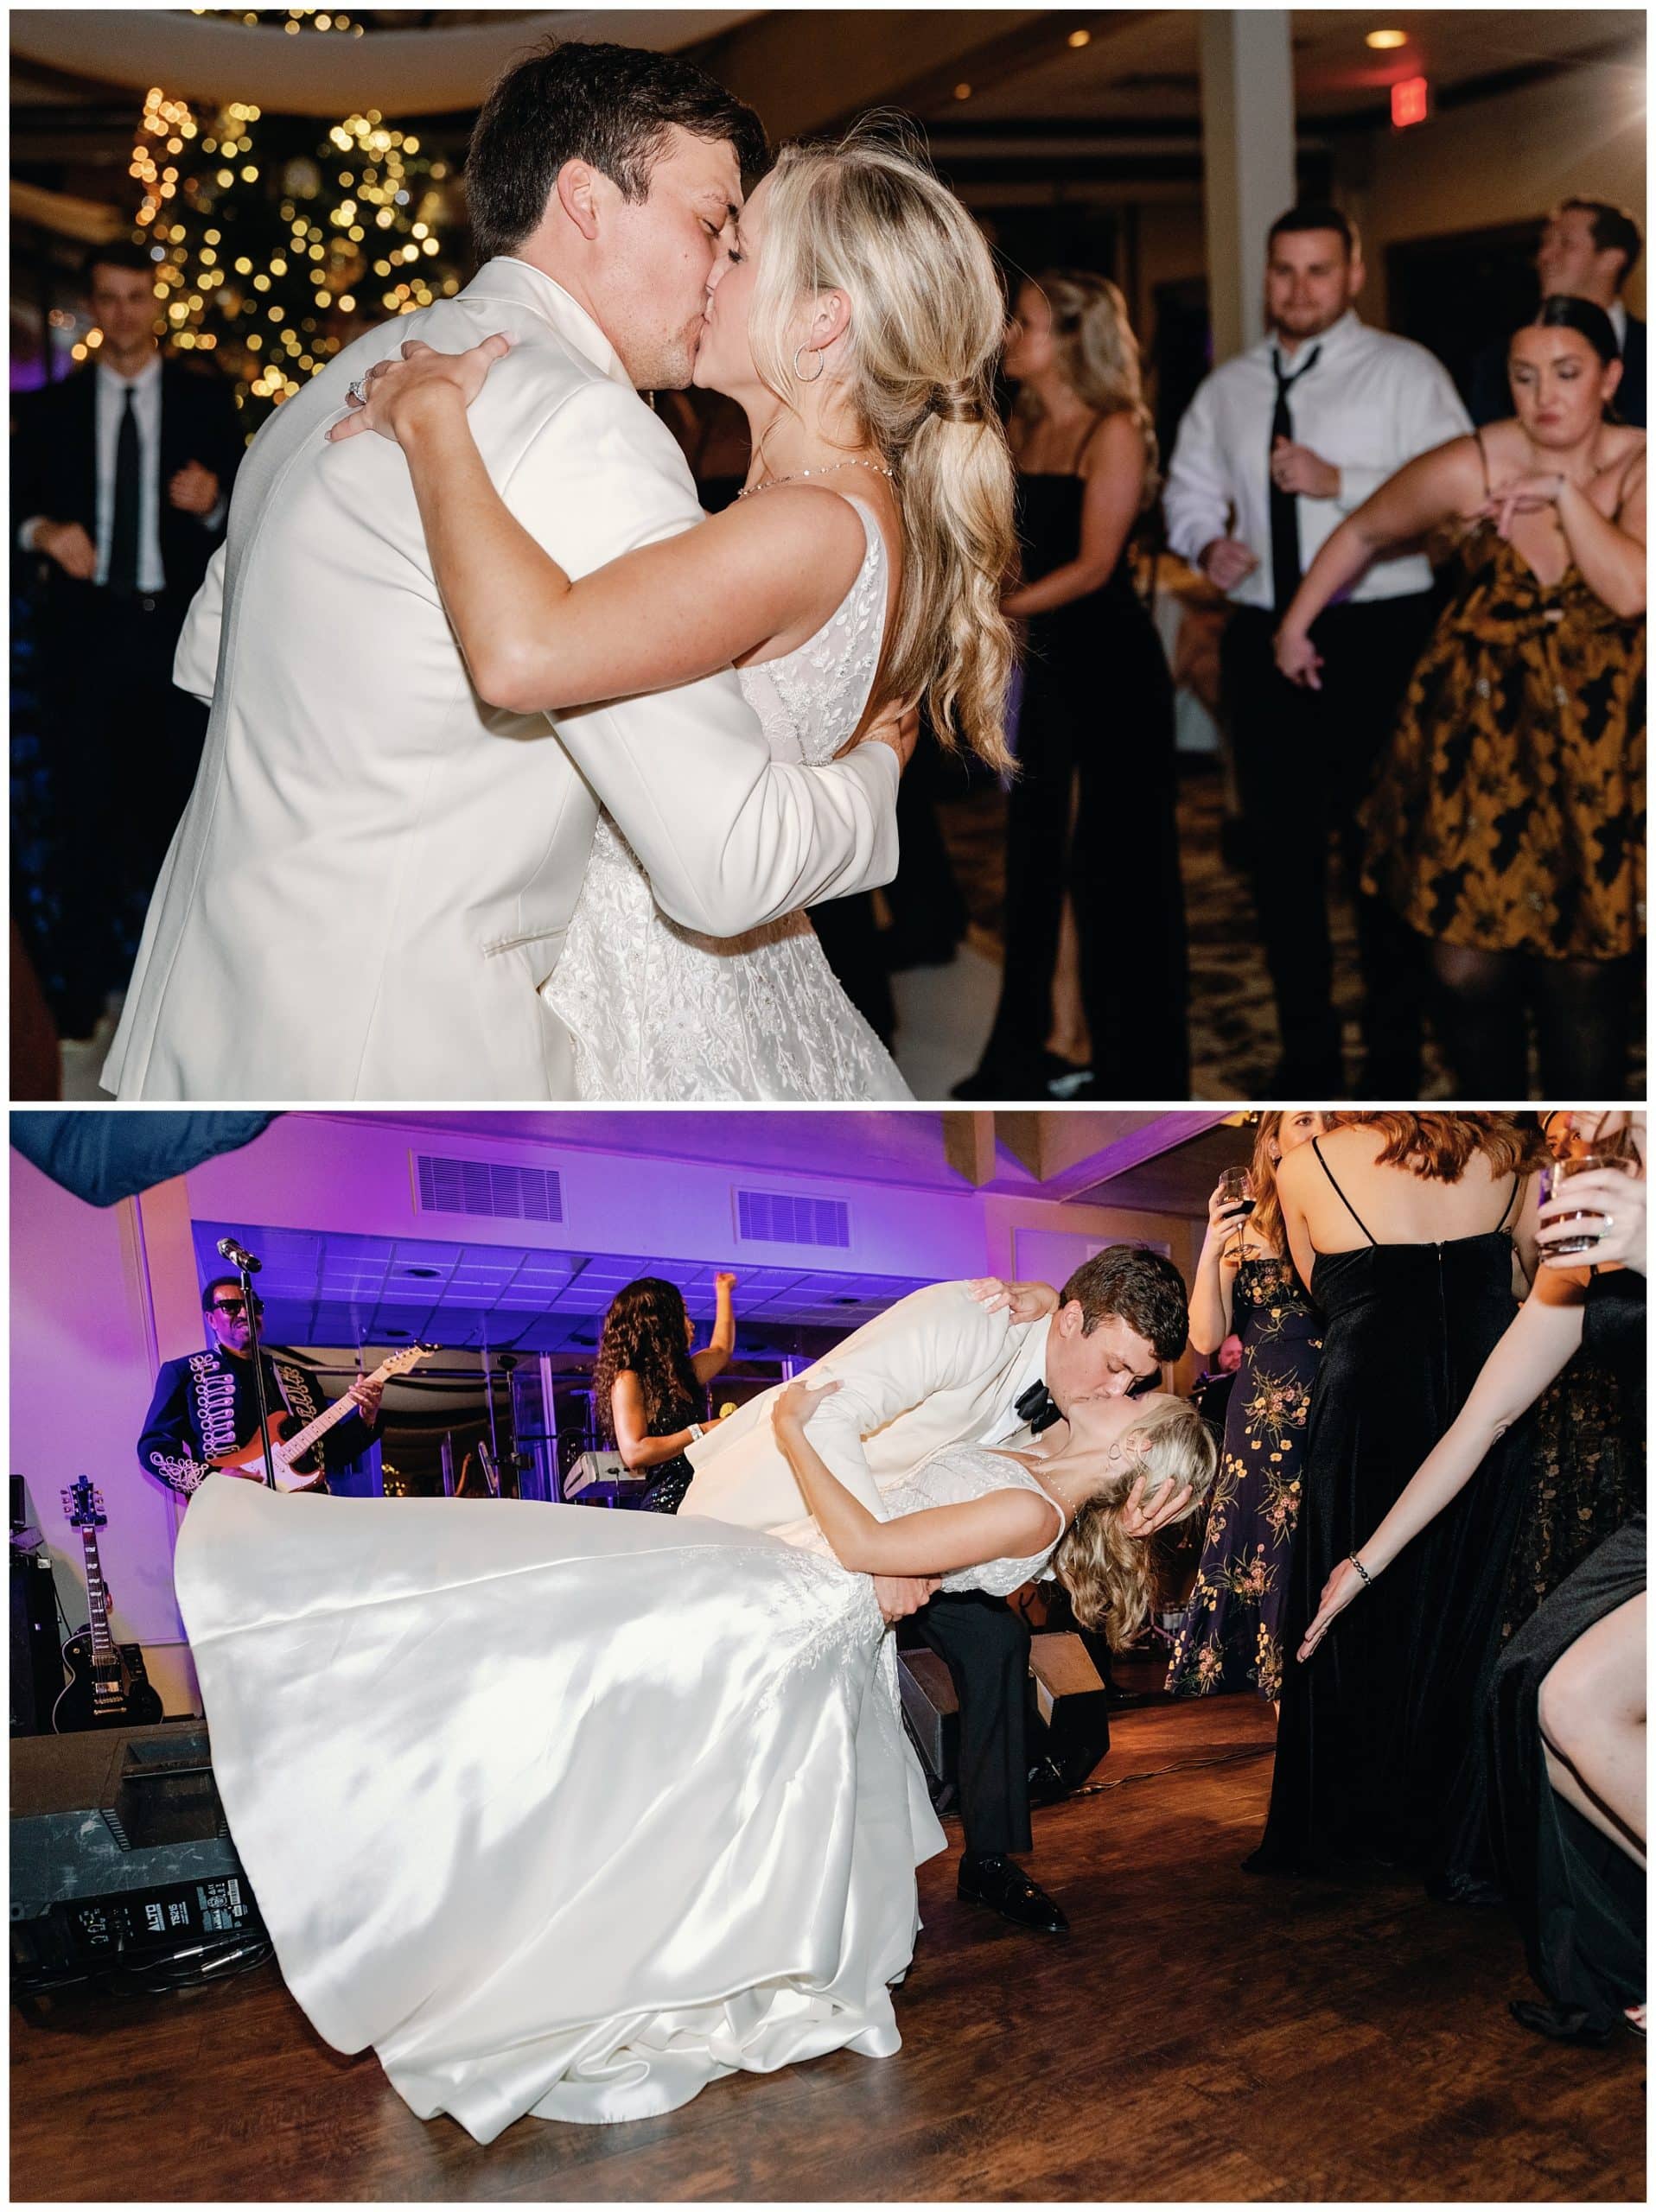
{"x": 120, "y": 1857}
{"x": 931, "y": 1712}
{"x": 37, "y": 1656}
{"x": 1072, "y": 1705}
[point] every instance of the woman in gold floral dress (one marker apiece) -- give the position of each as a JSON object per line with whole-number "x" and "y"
{"x": 1507, "y": 824}
{"x": 1232, "y": 1631}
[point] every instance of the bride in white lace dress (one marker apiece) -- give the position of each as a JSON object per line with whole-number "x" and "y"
{"x": 856, "y": 320}
{"x": 571, "y": 1813}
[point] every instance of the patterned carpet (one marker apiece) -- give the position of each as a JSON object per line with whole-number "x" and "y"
{"x": 1233, "y": 1024}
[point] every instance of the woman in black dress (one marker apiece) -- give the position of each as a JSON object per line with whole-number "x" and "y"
{"x": 1565, "y": 1717}
{"x": 1244, "y": 1280}
{"x": 1091, "y": 822}
{"x": 649, "y": 1390}
{"x": 1403, "y": 1226}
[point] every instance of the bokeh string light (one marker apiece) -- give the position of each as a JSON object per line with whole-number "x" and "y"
{"x": 272, "y": 246}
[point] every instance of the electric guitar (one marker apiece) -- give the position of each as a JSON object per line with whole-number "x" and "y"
{"x": 249, "y": 1458}
{"x": 108, "y": 1687}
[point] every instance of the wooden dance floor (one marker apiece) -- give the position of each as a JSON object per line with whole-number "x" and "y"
{"x": 1202, "y": 2035}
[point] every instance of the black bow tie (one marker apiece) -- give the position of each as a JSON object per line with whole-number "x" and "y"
{"x": 1037, "y": 1407}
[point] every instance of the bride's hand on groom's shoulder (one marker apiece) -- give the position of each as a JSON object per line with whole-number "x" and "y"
{"x": 394, "y": 395}
{"x": 800, "y": 1398}
{"x": 1024, "y": 1301}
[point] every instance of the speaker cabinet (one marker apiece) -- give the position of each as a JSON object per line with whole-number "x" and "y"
{"x": 36, "y": 1660}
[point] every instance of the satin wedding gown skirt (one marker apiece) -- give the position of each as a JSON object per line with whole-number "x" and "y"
{"x": 563, "y": 1811}
{"x": 656, "y": 1011}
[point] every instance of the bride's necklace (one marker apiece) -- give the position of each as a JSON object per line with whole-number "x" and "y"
{"x": 770, "y": 482}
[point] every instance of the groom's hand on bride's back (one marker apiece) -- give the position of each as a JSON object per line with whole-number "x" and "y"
{"x": 894, "y": 725}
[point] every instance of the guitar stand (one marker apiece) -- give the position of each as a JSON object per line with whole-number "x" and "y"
{"x": 251, "y": 1307}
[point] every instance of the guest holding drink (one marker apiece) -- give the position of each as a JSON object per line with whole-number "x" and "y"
{"x": 649, "y": 1388}
{"x": 1244, "y": 1281}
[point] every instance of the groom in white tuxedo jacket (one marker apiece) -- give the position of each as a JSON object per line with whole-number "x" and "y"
{"x": 940, "y": 1368}
{"x": 375, "y": 870}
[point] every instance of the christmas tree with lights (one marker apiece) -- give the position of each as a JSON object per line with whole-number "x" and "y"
{"x": 275, "y": 243}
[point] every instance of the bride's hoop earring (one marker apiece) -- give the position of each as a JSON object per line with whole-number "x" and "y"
{"x": 799, "y": 376}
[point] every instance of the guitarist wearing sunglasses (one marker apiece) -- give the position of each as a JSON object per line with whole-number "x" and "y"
{"x": 205, "y": 1411}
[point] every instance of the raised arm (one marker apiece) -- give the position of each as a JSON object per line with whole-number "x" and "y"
{"x": 716, "y": 1356}
{"x": 1441, "y": 485}
{"x": 728, "y": 837}
{"x": 1543, "y": 1336}
{"x": 1210, "y": 1297}
{"x": 538, "y": 640}
{"x": 1007, "y": 1524}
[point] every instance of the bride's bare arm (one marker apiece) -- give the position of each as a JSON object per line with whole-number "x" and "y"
{"x": 537, "y": 640}
{"x": 1007, "y": 1524}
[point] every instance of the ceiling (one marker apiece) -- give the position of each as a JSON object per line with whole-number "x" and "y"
{"x": 857, "y": 1143}
{"x": 1150, "y": 67}
{"x": 322, "y": 1288}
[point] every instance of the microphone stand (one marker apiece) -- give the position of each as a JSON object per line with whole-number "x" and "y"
{"x": 255, "y": 1352}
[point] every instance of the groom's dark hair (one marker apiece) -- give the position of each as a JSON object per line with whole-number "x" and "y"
{"x": 610, "y": 105}
{"x": 1130, "y": 1283}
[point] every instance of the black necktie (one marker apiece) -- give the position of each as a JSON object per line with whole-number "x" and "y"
{"x": 1037, "y": 1407}
{"x": 1286, "y": 571}
{"x": 124, "y": 533}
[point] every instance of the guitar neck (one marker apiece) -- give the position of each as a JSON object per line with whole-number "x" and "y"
{"x": 103, "y": 1644}
{"x": 294, "y": 1447}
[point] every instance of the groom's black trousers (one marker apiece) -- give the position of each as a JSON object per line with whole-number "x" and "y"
{"x": 985, "y": 1647}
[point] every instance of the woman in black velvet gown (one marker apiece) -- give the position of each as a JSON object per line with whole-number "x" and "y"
{"x": 1403, "y": 1225}
{"x": 1562, "y": 1756}
{"x": 1090, "y": 819}
{"x": 649, "y": 1390}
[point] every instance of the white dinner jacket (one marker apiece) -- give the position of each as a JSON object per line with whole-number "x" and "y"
{"x": 936, "y": 1369}
{"x": 375, "y": 870}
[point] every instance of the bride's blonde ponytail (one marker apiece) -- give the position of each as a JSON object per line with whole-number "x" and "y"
{"x": 868, "y": 217}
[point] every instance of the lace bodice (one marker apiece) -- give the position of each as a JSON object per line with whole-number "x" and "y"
{"x": 959, "y": 1474}
{"x": 657, "y": 1012}
{"x": 812, "y": 699}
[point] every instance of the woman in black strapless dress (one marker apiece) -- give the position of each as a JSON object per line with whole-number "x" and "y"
{"x": 1091, "y": 813}
{"x": 1375, "y": 1726}
{"x": 649, "y": 1390}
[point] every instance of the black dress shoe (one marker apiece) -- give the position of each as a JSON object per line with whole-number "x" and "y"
{"x": 1003, "y": 1884}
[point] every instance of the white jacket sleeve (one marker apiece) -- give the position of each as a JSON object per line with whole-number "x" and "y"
{"x": 195, "y": 663}
{"x": 938, "y": 1340}
{"x": 1197, "y": 499}
{"x": 728, "y": 837}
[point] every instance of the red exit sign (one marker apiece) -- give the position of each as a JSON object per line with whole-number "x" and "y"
{"x": 1411, "y": 102}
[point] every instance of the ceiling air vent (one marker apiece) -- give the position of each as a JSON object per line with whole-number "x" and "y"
{"x": 778, "y": 1218}
{"x": 490, "y": 1189}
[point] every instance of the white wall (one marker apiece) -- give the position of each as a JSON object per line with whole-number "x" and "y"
{"x": 101, "y": 1296}
{"x": 1501, "y": 161}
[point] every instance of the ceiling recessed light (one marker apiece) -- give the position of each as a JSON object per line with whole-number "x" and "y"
{"x": 1081, "y": 38}
{"x": 963, "y": 91}
{"x": 426, "y": 1275}
{"x": 1385, "y": 41}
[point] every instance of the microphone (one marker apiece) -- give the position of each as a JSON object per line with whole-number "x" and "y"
{"x": 239, "y": 1255}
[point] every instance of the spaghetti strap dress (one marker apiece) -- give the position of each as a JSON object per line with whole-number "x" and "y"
{"x": 1374, "y": 1726}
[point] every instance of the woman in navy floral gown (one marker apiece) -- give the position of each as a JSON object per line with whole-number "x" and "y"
{"x": 1244, "y": 1282}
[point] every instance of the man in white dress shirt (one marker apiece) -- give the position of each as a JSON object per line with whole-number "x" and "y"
{"x": 939, "y": 1369}
{"x": 121, "y": 477}
{"x": 1277, "y": 447}
{"x": 377, "y": 869}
